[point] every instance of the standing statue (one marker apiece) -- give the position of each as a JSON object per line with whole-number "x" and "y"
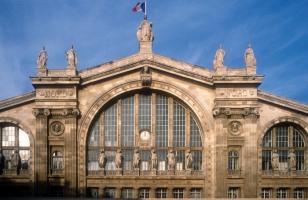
{"x": 144, "y": 32}
{"x": 136, "y": 159}
{"x": 2, "y": 161}
{"x": 102, "y": 160}
{"x": 153, "y": 158}
{"x": 275, "y": 160}
{"x": 71, "y": 58}
{"x": 250, "y": 59}
{"x": 171, "y": 160}
{"x": 118, "y": 159}
{"x": 15, "y": 160}
{"x": 219, "y": 58}
{"x": 292, "y": 159}
{"x": 42, "y": 59}
{"x": 188, "y": 159}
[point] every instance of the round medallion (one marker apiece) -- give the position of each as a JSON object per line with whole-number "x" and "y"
{"x": 145, "y": 135}
{"x": 235, "y": 128}
{"x": 57, "y": 128}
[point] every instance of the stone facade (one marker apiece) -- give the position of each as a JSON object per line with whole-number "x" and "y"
{"x": 237, "y": 123}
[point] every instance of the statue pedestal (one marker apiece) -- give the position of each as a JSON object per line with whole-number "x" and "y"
{"x": 171, "y": 171}
{"x": 153, "y": 172}
{"x": 276, "y": 172}
{"x": 293, "y": 171}
{"x": 102, "y": 171}
{"x": 136, "y": 171}
{"x": 188, "y": 172}
{"x": 119, "y": 172}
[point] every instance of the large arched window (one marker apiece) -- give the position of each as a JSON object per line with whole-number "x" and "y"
{"x": 14, "y": 140}
{"x": 145, "y": 122}
{"x": 279, "y": 143}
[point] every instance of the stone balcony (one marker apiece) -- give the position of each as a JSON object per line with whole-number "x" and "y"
{"x": 145, "y": 173}
{"x": 284, "y": 173}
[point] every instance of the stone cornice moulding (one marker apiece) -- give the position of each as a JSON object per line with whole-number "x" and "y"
{"x": 283, "y": 102}
{"x": 17, "y": 101}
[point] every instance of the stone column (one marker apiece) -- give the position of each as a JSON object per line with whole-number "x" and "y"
{"x": 41, "y": 156}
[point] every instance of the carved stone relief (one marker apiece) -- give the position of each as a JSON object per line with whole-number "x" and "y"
{"x": 235, "y": 128}
{"x": 56, "y": 128}
{"x": 146, "y": 76}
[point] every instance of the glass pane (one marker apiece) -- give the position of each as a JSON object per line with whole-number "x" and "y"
{"x": 282, "y": 136}
{"x": 25, "y": 159}
{"x": 94, "y": 135}
{"x": 128, "y": 123}
{"x": 266, "y": 160}
{"x": 179, "y": 160}
{"x": 179, "y": 124}
{"x": 23, "y": 139}
{"x": 267, "y": 140}
{"x": 300, "y": 160}
{"x": 161, "y": 121}
{"x": 8, "y": 136}
{"x": 195, "y": 137}
{"x": 57, "y": 160}
{"x": 128, "y": 159}
{"x": 283, "y": 159}
{"x": 110, "y": 126}
{"x": 145, "y": 114}
{"x": 232, "y": 160}
{"x": 92, "y": 157}
{"x": 162, "y": 159}
{"x": 298, "y": 140}
{"x": 145, "y": 160}
{"x": 110, "y": 164}
{"x": 197, "y": 160}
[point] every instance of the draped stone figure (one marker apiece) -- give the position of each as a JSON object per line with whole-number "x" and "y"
{"x": 171, "y": 160}
{"x": 15, "y": 160}
{"x": 219, "y": 58}
{"x": 71, "y": 58}
{"x": 2, "y": 162}
{"x": 136, "y": 159}
{"x": 144, "y": 32}
{"x": 188, "y": 160}
{"x": 292, "y": 159}
{"x": 118, "y": 159}
{"x": 275, "y": 160}
{"x": 42, "y": 59}
{"x": 102, "y": 160}
{"x": 250, "y": 59}
{"x": 153, "y": 158}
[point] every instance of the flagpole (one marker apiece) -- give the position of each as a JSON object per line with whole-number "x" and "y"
{"x": 145, "y": 10}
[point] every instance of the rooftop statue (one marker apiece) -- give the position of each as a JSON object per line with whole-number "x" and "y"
{"x": 71, "y": 58}
{"x": 144, "y": 32}
{"x": 219, "y": 58}
{"x": 250, "y": 59}
{"x": 42, "y": 59}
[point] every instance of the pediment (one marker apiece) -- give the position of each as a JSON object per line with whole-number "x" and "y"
{"x": 138, "y": 61}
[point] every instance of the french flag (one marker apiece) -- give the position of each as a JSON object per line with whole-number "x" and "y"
{"x": 139, "y": 7}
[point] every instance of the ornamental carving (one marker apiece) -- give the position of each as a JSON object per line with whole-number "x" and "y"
{"x": 146, "y": 76}
{"x": 236, "y": 112}
{"x": 71, "y": 111}
{"x": 235, "y": 128}
{"x": 56, "y": 128}
{"x": 41, "y": 111}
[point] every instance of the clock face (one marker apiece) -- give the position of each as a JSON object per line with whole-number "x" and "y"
{"x": 145, "y": 135}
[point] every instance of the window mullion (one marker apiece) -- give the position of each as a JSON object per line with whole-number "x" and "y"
{"x": 291, "y": 131}
{"x": 119, "y": 117}
{"x": 170, "y": 128}
{"x": 136, "y": 118}
{"x": 102, "y": 128}
{"x": 16, "y": 129}
{"x": 153, "y": 107}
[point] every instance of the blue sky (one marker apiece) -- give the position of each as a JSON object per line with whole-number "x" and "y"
{"x": 186, "y": 30}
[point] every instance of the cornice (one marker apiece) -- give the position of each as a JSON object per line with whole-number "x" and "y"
{"x": 18, "y": 100}
{"x": 284, "y": 102}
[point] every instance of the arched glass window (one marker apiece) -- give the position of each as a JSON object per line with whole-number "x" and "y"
{"x": 164, "y": 122}
{"x": 14, "y": 139}
{"x": 284, "y": 148}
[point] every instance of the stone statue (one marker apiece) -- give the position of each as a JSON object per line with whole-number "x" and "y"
{"x": 171, "y": 160}
{"x": 118, "y": 159}
{"x": 144, "y": 32}
{"x": 42, "y": 59}
{"x": 15, "y": 160}
{"x": 153, "y": 157}
{"x": 219, "y": 58}
{"x": 250, "y": 59}
{"x": 275, "y": 160}
{"x": 292, "y": 159}
{"x": 146, "y": 76}
{"x": 188, "y": 160}
{"x": 71, "y": 58}
{"x": 102, "y": 160}
{"x": 136, "y": 159}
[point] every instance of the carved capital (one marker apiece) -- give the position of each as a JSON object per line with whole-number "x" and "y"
{"x": 71, "y": 111}
{"x": 236, "y": 112}
{"x": 40, "y": 111}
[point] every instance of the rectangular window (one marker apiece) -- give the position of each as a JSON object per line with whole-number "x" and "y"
{"x": 282, "y": 136}
{"x": 162, "y": 159}
{"x": 300, "y": 160}
{"x": 283, "y": 159}
{"x": 92, "y": 160}
{"x": 233, "y": 193}
{"x": 178, "y": 193}
{"x": 266, "y": 160}
{"x": 8, "y": 136}
{"x": 145, "y": 112}
{"x": 195, "y": 193}
{"x": 195, "y": 137}
{"x": 109, "y": 193}
{"x": 25, "y": 157}
{"x": 267, "y": 141}
{"x": 92, "y": 192}
{"x": 282, "y": 193}
{"x": 127, "y": 193}
{"x": 94, "y": 136}
{"x": 110, "y": 126}
{"x": 110, "y": 164}
{"x": 128, "y": 159}
{"x": 299, "y": 193}
{"x": 197, "y": 160}
{"x": 128, "y": 124}
{"x": 266, "y": 193}
{"x": 144, "y": 160}
{"x": 162, "y": 116}
{"x": 179, "y": 125}
{"x": 179, "y": 160}
{"x": 144, "y": 193}
{"x": 161, "y": 193}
